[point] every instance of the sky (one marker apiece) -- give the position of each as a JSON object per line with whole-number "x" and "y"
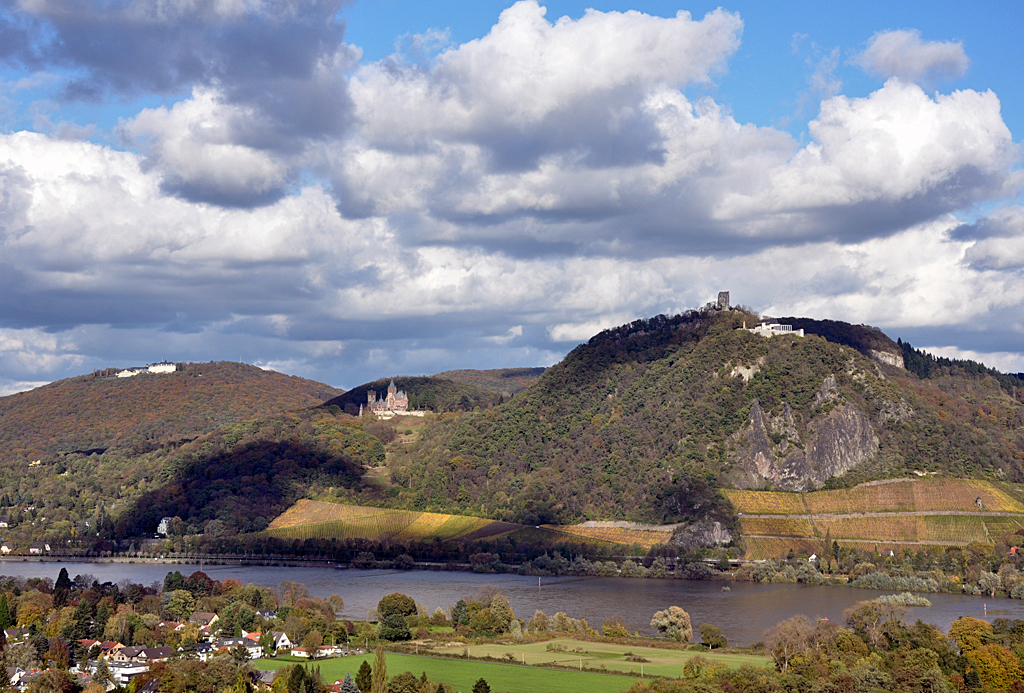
{"x": 353, "y": 190}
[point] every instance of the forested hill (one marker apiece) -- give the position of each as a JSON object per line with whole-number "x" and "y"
{"x": 89, "y": 413}
{"x": 504, "y": 381}
{"x": 431, "y": 393}
{"x": 647, "y": 421}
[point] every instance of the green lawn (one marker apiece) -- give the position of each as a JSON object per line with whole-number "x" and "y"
{"x": 610, "y": 656}
{"x": 462, "y": 674}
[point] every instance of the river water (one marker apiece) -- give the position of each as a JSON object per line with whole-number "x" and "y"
{"x": 743, "y": 613}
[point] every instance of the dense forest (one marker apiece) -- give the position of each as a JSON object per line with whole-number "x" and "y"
{"x": 504, "y": 381}
{"x": 431, "y": 393}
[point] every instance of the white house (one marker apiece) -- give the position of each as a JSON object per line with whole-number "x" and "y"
{"x": 281, "y": 640}
{"x": 162, "y": 367}
{"x": 772, "y": 329}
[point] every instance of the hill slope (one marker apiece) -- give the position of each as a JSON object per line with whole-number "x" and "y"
{"x": 89, "y": 413}
{"x": 504, "y": 381}
{"x": 646, "y": 421}
{"x": 432, "y": 393}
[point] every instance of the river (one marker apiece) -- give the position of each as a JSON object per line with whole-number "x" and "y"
{"x": 743, "y": 613}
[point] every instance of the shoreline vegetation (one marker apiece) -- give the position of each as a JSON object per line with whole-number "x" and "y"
{"x": 68, "y": 631}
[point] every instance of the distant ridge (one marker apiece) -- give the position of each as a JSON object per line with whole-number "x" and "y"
{"x": 505, "y": 381}
{"x": 89, "y": 412}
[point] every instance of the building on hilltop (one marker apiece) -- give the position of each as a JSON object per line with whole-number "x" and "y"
{"x": 721, "y": 304}
{"x": 395, "y": 401}
{"x": 161, "y": 367}
{"x": 772, "y": 329}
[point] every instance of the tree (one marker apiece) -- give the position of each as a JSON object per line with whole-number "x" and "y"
{"x": 363, "y": 680}
{"x": 501, "y": 613}
{"x": 379, "y": 679}
{"x": 787, "y": 639}
{"x": 181, "y": 604}
{"x": 396, "y": 603}
{"x": 481, "y": 686}
{"x": 348, "y": 685}
{"x": 242, "y": 683}
{"x": 62, "y": 589}
{"x": 63, "y": 581}
{"x": 312, "y": 642}
{"x": 460, "y": 614}
{"x": 393, "y": 628}
{"x": 712, "y": 636}
{"x": 673, "y": 623}
{"x": 406, "y": 682}
{"x": 5, "y": 613}
{"x": 969, "y": 633}
{"x": 102, "y": 673}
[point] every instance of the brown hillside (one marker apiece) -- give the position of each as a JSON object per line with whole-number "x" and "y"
{"x": 90, "y": 413}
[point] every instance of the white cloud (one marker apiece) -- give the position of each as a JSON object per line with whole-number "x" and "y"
{"x": 1004, "y": 361}
{"x": 903, "y": 54}
{"x": 528, "y": 69}
{"x": 11, "y": 387}
{"x": 513, "y": 332}
{"x": 195, "y": 143}
{"x": 1000, "y": 240}
{"x": 493, "y": 204}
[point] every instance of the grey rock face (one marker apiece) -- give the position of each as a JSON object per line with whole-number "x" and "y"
{"x": 701, "y": 534}
{"x": 770, "y": 449}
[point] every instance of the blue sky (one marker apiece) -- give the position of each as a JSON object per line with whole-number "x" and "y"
{"x": 351, "y": 191}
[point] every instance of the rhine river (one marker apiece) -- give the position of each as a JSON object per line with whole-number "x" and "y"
{"x": 743, "y": 613}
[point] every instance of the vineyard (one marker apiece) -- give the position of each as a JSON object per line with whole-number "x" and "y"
{"x": 900, "y": 496}
{"x": 918, "y": 511}
{"x": 615, "y": 535}
{"x": 766, "y": 502}
{"x": 316, "y": 520}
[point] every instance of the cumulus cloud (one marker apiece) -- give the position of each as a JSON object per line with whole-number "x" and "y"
{"x": 999, "y": 240}
{"x": 279, "y": 69}
{"x": 1005, "y": 361}
{"x": 469, "y": 220}
{"x": 903, "y": 54}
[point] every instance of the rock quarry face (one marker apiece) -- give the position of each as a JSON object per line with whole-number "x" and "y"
{"x": 770, "y": 449}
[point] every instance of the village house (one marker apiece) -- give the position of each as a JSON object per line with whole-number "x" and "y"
{"x": 6, "y": 548}
{"x": 281, "y": 640}
{"x": 203, "y": 618}
{"x": 39, "y": 547}
{"x": 252, "y": 647}
{"x": 15, "y": 635}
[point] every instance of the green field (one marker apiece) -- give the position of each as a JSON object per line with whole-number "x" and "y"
{"x": 462, "y": 674}
{"x": 601, "y": 655}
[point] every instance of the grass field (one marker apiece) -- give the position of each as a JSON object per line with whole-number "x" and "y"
{"x": 599, "y": 655}
{"x": 462, "y": 674}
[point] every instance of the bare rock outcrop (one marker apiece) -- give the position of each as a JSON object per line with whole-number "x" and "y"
{"x": 769, "y": 449}
{"x": 700, "y": 534}
{"x": 888, "y": 357}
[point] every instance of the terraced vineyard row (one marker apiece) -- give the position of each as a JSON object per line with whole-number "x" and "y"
{"x": 615, "y": 535}
{"x": 908, "y": 495}
{"x": 838, "y": 514}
